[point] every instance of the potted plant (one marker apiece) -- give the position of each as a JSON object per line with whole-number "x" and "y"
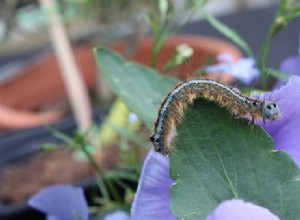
{"x": 219, "y": 161}
{"x": 166, "y": 52}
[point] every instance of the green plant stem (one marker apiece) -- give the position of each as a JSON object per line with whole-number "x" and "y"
{"x": 100, "y": 181}
{"x": 159, "y": 38}
{"x": 285, "y": 13}
{"x": 113, "y": 191}
{"x": 274, "y": 29}
{"x": 267, "y": 43}
{"x": 154, "y": 54}
{"x": 162, "y": 31}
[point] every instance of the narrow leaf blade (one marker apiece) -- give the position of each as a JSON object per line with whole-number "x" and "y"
{"x": 229, "y": 33}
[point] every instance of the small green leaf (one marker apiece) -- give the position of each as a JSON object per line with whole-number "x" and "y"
{"x": 61, "y": 136}
{"x": 80, "y": 156}
{"x": 219, "y": 158}
{"x": 163, "y": 6}
{"x": 277, "y": 74}
{"x": 229, "y": 33}
{"x": 139, "y": 87}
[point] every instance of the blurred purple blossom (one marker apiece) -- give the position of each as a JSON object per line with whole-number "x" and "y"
{"x": 291, "y": 65}
{"x": 61, "y": 202}
{"x": 118, "y": 215}
{"x": 244, "y": 69}
{"x": 132, "y": 118}
{"x": 66, "y": 202}
{"x": 237, "y": 209}
{"x": 152, "y": 198}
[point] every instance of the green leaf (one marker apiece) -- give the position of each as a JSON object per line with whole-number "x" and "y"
{"x": 61, "y": 136}
{"x": 219, "y": 158}
{"x": 139, "y": 87}
{"x": 229, "y": 33}
{"x": 277, "y": 74}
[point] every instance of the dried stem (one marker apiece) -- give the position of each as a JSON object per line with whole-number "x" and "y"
{"x": 73, "y": 81}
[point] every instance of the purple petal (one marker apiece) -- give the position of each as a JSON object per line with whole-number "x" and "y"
{"x": 290, "y": 66}
{"x": 152, "y": 199}
{"x": 299, "y": 45}
{"x": 61, "y": 202}
{"x": 222, "y": 67}
{"x": 225, "y": 57}
{"x": 237, "y": 209}
{"x": 244, "y": 69}
{"x": 118, "y": 215}
{"x": 285, "y": 131}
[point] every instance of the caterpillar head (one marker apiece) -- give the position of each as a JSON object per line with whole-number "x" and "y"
{"x": 270, "y": 110}
{"x": 155, "y": 141}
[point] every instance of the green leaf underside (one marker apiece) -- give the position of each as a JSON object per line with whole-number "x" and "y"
{"x": 218, "y": 158}
{"x": 139, "y": 87}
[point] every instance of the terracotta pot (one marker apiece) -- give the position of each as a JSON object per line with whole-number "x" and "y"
{"x": 41, "y": 83}
{"x": 204, "y": 48}
{"x": 37, "y": 85}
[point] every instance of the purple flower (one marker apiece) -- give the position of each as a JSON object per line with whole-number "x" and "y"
{"x": 243, "y": 69}
{"x": 66, "y": 202}
{"x": 118, "y": 215}
{"x": 152, "y": 198}
{"x": 61, "y": 202}
{"x": 237, "y": 209}
{"x": 290, "y": 66}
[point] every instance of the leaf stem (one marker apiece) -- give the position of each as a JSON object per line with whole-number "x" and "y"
{"x": 99, "y": 171}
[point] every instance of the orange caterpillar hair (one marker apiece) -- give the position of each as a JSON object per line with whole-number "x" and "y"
{"x": 174, "y": 105}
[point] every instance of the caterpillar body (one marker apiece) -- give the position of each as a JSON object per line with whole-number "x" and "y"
{"x": 174, "y": 105}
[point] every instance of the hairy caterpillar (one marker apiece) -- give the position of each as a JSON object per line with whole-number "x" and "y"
{"x": 172, "y": 108}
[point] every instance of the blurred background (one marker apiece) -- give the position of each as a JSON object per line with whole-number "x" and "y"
{"x": 49, "y": 76}
{"x": 29, "y": 35}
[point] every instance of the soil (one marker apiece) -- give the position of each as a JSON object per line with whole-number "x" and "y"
{"x": 22, "y": 179}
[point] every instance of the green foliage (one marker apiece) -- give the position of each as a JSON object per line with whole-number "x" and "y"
{"x": 277, "y": 74}
{"x": 218, "y": 158}
{"x": 287, "y": 11}
{"x": 164, "y": 20}
{"x": 139, "y": 87}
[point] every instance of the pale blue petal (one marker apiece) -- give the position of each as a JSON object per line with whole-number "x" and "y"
{"x": 118, "y": 215}
{"x": 244, "y": 69}
{"x": 61, "y": 202}
{"x": 237, "y": 209}
{"x": 152, "y": 200}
